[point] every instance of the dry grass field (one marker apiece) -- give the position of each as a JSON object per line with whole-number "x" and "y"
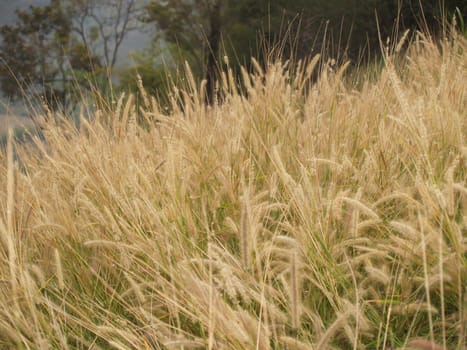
{"x": 324, "y": 215}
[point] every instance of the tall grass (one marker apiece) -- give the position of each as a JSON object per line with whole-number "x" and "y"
{"x": 297, "y": 214}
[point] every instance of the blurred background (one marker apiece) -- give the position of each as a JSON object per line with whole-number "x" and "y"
{"x": 54, "y": 53}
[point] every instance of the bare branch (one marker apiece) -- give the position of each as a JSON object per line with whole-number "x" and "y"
{"x": 114, "y": 19}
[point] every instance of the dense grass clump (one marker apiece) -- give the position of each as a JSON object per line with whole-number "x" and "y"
{"x": 301, "y": 213}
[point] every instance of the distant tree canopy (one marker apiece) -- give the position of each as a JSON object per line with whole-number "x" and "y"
{"x": 76, "y": 40}
{"x": 351, "y": 29}
{"x": 201, "y": 31}
{"x": 51, "y": 49}
{"x": 31, "y": 50}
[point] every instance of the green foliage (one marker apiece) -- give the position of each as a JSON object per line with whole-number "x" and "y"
{"x": 40, "y": 56}
{"x": 52, "y": 51}
{"x": 187, "y": 25}
{"x": 353, "y": 29}
{"x": 182, "y": 23}
{"x": 31, "y": 49}
{"x": 154, "y": 71}
{"x": 345, "y": 30}
{"x": 51, "y": 48}
{"x": 201, "y": 32}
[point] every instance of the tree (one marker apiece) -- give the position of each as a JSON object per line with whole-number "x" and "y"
{"x": 344, "y": 26}
{"x": 102, "y": 25}
{"x": 31, "y": 52}
{"x": 155, "y": 70}
{"x": 197, "y": 30}
{"x": 352, "y": 29}
{"x": 50, "y": 49}
{"x": 212, "y": 47}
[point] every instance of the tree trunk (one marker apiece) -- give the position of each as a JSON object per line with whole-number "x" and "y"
{"x": 213, "y": 51}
